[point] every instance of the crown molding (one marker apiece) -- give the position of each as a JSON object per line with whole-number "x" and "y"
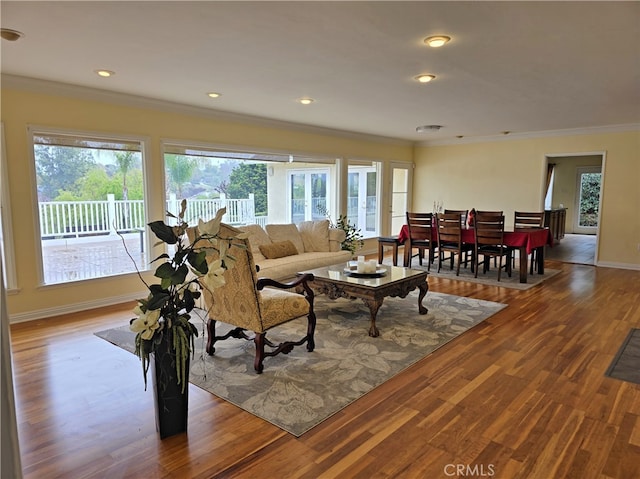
{"x": 533, "y": 134}
{"x": 86, "y": 93}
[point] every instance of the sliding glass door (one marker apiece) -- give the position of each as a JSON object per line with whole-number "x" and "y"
{"x": 362, "y": 207}
{"x": 308, "y": 195}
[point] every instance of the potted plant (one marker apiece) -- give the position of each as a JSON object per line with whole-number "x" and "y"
{"x": 164, "y": 331}
{"x": 353, "y": 238}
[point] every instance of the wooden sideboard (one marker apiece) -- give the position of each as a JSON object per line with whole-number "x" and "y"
{"x": 555, "y": 219}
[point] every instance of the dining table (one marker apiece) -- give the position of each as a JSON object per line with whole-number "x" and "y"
{"x": 525, "y": 240}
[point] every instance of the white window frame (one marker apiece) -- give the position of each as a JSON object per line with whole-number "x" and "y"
{"x": 307, "y": 172}
{"x": 33, "y": 130}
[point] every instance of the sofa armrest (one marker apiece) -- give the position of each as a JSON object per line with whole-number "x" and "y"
{"x": 336, "y": 237}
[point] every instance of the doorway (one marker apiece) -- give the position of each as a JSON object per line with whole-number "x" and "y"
{"x": 575, "y": 186}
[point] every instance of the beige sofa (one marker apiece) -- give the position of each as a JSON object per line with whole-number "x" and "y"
{"x": 316, "y": 245}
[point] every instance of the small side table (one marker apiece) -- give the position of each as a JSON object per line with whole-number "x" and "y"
{"x": 392, "y": 241}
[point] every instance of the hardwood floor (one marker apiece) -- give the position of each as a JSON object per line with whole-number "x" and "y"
{"x": 573, "y": 248}
{"x": 522, "y": 395}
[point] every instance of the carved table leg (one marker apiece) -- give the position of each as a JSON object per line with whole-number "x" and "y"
{"x": 424, "y": 288}
{"x": 374, "y": 306}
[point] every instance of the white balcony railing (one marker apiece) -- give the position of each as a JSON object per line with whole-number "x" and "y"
{"x": 75, "y": 219}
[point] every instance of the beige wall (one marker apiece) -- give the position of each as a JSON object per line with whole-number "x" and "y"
{"x": 21, "y": 108}
{"x": 501, "y": 175}
{"x": 510, "y": 175}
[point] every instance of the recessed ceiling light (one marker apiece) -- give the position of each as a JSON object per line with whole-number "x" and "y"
{"x": 105, "y": 73}
{"x": 437, "y": 40}
{"x": 306, "y": 101}
{"x": 11, "y": 35}
{"x": 425, "y": 78}
{"x": 423, "y": 128}
{"x": 213, "y": 94}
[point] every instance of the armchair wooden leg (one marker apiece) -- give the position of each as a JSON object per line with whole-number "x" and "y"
{"x": 238, "y": 333}
{"x": 259, "y": 341}
{"x": 311, "y": 327}
{"x": 211, "y": 336}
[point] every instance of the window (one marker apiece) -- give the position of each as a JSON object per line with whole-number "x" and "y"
{"x": 90, "y": 192}
{"x": 255, "y": 186}
{"x": 589, "y": 180}
{"x": 211, "y": 178}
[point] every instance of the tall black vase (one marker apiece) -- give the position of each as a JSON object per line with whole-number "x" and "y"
{"x": 171, "y": 403}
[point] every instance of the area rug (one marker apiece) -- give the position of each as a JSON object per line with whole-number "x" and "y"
{"x": 489, "y": 278}
{"x": 626, "y": 364}
{"x": 298, "y": 391}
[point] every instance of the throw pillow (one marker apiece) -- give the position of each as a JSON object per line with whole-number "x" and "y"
{"x": 278, "y": 249}
{"x": 315, "y": 235}
{"x": 286, "y": 232}
{"x": 257, "y": 237}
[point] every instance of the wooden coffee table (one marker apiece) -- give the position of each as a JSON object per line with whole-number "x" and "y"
{"x": 335, "y": 283}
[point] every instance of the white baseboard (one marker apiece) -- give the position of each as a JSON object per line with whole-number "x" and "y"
{"x": 609, "y": 264}
{"x": 75, "y": 307}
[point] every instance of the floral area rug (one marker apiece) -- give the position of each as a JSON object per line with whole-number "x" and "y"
{"x": 299, "y": 390}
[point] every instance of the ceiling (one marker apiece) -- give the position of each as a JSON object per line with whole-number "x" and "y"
{"x": 519, "y": 67}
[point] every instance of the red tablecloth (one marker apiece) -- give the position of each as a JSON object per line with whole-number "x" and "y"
{"x": 529, "y": 238}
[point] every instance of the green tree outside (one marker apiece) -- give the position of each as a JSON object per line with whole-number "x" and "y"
{"x": 249, "y": 178}
{"x": 180, "y": 171}
{"x": 589, "y": 198}
{"x": 58, "y": 169}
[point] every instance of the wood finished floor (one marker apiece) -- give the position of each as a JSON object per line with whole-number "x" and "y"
{"x": 573, "y": 248}
{"x": 522, "y": 395}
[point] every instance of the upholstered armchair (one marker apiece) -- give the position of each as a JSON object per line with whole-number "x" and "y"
{"x": 255, "y": 305}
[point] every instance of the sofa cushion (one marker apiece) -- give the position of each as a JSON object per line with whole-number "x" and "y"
{"x": 286, "y": 232}
{"x": 315, "y": 235}
{"x": 287, "y": 267}
{"x": 278, "y": 249}
{"x": 336, "y": 238}
{"x": 257, "y": 237}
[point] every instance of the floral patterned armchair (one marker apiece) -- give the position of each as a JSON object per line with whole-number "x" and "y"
{"x": 255, "y": 305}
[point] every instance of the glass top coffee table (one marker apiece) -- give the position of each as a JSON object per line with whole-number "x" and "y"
{"x": 335, "y": 282}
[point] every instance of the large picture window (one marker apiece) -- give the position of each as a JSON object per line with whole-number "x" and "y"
{"x": 256, "y": 187}
{"x": 211, "y": 178}
{"x": 90, "y": 192}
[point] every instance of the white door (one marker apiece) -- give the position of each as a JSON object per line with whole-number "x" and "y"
{"x": 401, "y": 174}
{"x": 308, "y": 195}
{"x": 362, "y": 199}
